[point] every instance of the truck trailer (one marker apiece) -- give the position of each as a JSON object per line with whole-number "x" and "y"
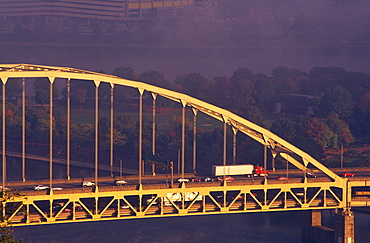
{"x": 245, "y": 170}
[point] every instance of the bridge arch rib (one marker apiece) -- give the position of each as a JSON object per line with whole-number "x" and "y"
{"x": 278, "y": 146}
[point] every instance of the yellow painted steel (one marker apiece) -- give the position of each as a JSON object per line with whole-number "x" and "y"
{"x": 34, "y": 208}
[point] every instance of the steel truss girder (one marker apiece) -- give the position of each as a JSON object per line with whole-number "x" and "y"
{"x": 277, "y": 145}
{"x": 228, "y": 198}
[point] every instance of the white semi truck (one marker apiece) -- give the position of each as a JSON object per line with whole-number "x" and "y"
{"x": 246, "y": 170}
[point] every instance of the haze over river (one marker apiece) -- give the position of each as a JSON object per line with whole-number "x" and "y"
{"x": 173, "y": 61}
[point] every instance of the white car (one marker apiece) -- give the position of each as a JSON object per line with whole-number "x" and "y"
{"x": 41, "y": 187}
{"x": 183, "y": 180}
{"x": 87, "y": 183}
{"x": 56, "y": 188}
{"x": 125, "y": 206}
{"x": 121, "y": 182}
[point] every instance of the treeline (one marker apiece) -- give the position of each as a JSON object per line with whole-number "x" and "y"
{"x": 342, "y": 114}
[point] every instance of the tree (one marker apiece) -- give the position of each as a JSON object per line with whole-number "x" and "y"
{"x": 241, "y": 93}
{"x": 155, "y": 78}
{"x": 338, "y": 100}
{"x": 13, "y": 88}
{"x": 37, "y": 123}
{"x": 364, "y": 101}
{"x": 80, "y": 95}
{"x": 241, "y": 73}
{"x": 340, "y": 128}
{"x": 285, "y": 128}
{"x": 124, "y": 72}
{"x": 361, "y": 126}
{"x": 42, "y": 89}
{"x": 319, "y": 132}
{"x": 252, "y": 113}
{"x": 190, "y": 83}
{"x": 6, "y": 232}
{"x": 265, "y": 89}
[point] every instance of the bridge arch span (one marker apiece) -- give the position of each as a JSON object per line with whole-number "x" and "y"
{"x": 277, "y": 145}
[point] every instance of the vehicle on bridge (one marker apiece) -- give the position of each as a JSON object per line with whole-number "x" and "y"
{"x": 56, "y": 188}
{"x": 311, "y": 175}
{"x": 120, "y": 182}
{"x": 207, "y": 178}
{"x": 183, "y": 180}
{"x": 227, "y": 178}
{"x": 40, "y": 187}
{"x": 87, "y": 183}
{"x": 348, "y": 174}
{"x": 245, "y": 170}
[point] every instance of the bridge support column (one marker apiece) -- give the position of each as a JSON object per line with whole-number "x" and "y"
{"x": 312, "y": 230}
{"x": 344, "y": 226}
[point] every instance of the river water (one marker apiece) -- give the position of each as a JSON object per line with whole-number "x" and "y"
{"x": 277, "y": 227}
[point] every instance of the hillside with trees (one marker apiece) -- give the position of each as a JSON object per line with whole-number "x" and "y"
{"x": 340, "y": 115}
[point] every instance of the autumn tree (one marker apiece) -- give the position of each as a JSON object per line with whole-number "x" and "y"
{"x": 340, "y": 128}
{"x": 318, "y": 131}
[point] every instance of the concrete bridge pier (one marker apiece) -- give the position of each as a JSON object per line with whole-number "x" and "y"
{"x": 344, "y": 226}
{"x": 314, "y": 232}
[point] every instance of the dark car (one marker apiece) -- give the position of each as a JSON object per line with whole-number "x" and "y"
{"x": 311, "y": 175}
{"x": 207, "y": 178}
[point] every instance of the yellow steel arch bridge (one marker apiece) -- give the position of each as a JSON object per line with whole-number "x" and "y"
{"x": 330, "y": 191}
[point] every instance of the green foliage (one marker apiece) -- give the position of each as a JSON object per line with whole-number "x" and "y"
{"x": 6, "y": 235}
{"x": 190, "y": 83}
{"x": 241, "y": 74}
{"x": 361, "y": 125}
{"x": 42, "y": 91}
{"x": 241, "y": 92}
{"x": 155, "y": 78}
{"x": 319, "y": 132}
{"x": 124, "y": 72}
{"x": 252, "y": 113}
{"x": 340, "y": 128}
{"x": 265, "y": 90}
{"x": 285, "y": 128}
{"x": 13, "y": 88}
{"x": 338, "y": 100}
{"x": 6, "y": 231}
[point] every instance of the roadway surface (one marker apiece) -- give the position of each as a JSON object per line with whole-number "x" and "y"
{"x": 164, "y": 180}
